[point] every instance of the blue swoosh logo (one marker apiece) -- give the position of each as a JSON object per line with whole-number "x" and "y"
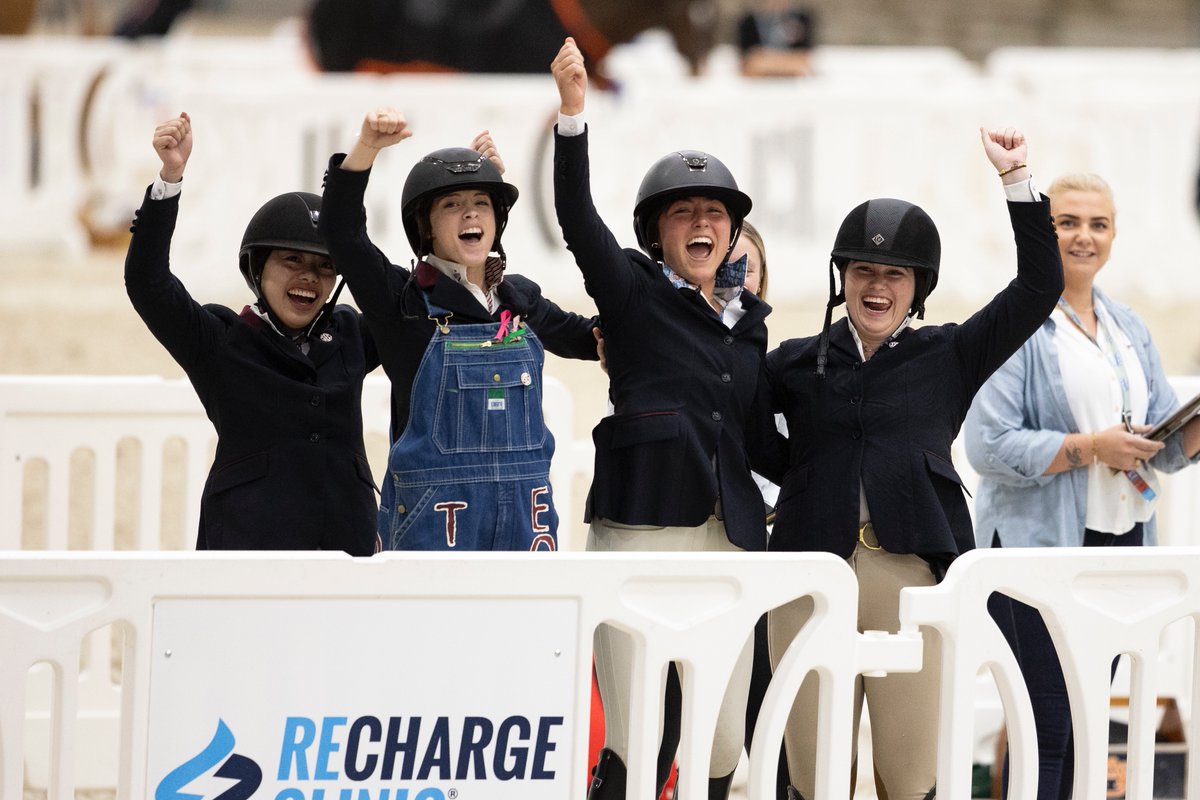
{"x": 171, "y": 787}
{"x": 246, "y": 772}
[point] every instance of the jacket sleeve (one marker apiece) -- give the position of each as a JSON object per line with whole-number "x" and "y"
{"x": 564, "y": 333}
{"x": 185, "y": 328}
{"x": 376, "y": 283}
{"x": 608, "y": 274}
{"x": 995, "y": 332}
{"x": 1001, "y": 444}
{"x": 766, "y": 447}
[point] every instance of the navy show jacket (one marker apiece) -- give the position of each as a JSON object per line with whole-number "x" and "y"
{"x": 290, "y": 471}
{"x": 889, "y": 422}
{"x": 688, "y": 391}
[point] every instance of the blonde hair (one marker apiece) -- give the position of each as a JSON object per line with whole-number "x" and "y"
{"x": 1082, "y": 182}
{"x": 751, "y": 233}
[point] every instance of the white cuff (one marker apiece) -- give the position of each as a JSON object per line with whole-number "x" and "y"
{"x": 571, "y": 126}
{"x": 1023, "y": 192}
{"x": 161, "y": 190}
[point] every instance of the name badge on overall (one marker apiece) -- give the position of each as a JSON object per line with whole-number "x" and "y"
{"x": 495, "y": 400}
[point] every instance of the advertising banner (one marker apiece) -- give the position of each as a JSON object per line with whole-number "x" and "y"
{"x": 356, "y": 699}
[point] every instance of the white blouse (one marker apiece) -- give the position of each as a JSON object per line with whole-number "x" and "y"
{"x": 1090, "y": 376}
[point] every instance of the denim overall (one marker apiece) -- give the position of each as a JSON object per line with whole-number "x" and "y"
{"x": 471, "y": 470}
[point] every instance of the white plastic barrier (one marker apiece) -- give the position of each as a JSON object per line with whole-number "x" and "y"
{"x": 245, "y": 641}
{"x": 1097, "y": 604}
{"x": 51, "y": 418}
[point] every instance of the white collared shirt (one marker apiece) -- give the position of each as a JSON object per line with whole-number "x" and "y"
{"x": 458, "y": 273}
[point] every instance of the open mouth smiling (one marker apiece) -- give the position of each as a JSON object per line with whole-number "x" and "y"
{"x": 303, "y": 297}
{"x": 471, "y": 235}
{"x": 876, "y": 303}
{"x": 700, "y": 247}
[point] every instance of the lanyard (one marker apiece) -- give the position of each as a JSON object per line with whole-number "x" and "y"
{"x": 1118, "y": 365}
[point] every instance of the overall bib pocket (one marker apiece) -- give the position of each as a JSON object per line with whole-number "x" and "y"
{"x": 489, "y": 401}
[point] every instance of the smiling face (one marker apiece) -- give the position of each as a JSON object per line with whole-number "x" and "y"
{"x": 296, "y": 285}
{"x": 694, "y": 232}
{"x": 463, "y": 227}
{"x": 1086, "y": 226}
{"x": 878, "y": 297}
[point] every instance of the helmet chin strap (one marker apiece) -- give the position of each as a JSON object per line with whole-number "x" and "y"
{"x": 836, "y": 298}
{"x": 328, "y": 307}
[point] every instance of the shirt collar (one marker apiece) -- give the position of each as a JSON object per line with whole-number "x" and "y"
{"x": 300, "y": 339}
{"x": 890, "y": 341}
{"x": 726, "y": 288}
{"x": 458, "y": 273}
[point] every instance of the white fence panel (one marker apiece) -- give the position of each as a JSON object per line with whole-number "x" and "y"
{"x": 51, "y": 418}
{"x": 688, "y": 608}
{"x": 1097, "y": 604}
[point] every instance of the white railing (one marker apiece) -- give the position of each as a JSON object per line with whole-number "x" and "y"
{"x": 281, "y": 651}
{"x": 261, "y": 643}
{"x": 1098, "y": 604}
{"x": 51, "y": 420}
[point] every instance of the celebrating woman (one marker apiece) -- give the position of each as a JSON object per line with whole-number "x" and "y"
{"x": 872, "y": 407}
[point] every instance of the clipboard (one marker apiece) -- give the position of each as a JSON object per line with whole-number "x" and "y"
{"x": 1174, "y": 422}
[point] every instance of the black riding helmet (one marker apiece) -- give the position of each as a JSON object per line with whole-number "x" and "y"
{"x": 449, "y": 170}
{"x": 883, "y": 231}
{"x": 285, "y": 222}
{"x": 685, "y": 173}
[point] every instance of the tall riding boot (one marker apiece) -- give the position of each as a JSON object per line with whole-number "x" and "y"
{"x": 672, "y": 709}
{"x": 718, "y": 788}
{"x": 608, "y": 777}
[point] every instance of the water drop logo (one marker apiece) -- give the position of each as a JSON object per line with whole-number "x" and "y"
{"x": 244, "y": 771}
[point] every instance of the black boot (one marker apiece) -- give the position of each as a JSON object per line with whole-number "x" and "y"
{"x": 672, "y": 709}
{"x": 608, "y": 777}
{"x": 718, "y": 788}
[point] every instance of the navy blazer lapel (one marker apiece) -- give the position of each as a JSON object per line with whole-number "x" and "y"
{"x": 842, "y": 341}
{"x": 322, "y": 346}
{"x": 457, "y": 299}
{"x": 756, "y": 310}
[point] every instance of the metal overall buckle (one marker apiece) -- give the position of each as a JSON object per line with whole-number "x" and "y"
{"x": 873, "y": 544}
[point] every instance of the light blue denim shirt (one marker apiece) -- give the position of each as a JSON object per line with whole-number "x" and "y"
{"x": 1016, "y": 426}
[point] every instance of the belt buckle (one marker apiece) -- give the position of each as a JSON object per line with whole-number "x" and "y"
{"x": 862, "y": 531}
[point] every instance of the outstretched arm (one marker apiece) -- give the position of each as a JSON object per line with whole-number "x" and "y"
{"x": 376, "y": 283}
{"x": 179, "y": 323}
{"x": 996, "y": 331}
{"x": 607, "y": 272}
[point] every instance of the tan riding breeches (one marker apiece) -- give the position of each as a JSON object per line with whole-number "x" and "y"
{"x": 903, "y": 706}
{"x": 614, "y": 648}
